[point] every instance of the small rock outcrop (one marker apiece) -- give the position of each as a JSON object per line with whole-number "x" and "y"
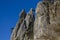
{"x": 44, "y": 26}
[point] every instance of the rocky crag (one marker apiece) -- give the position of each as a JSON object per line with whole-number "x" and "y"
{"x": 44, "y": 26}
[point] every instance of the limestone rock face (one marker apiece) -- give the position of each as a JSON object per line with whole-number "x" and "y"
{"x": 29, "y": 24}
{"x": 47, "y": 22}
{"x": 15, "y": 32}
{"x": 44, "y": 26}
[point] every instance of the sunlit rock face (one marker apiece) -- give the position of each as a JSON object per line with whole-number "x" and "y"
{"x": 44, "y": 26}
{"x": 24, "y": 27}
{"x": 47, "y": 22}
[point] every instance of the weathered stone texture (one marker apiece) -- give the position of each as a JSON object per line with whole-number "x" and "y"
{"x": 47, "y": 22}
{"x": 45, "y": 26}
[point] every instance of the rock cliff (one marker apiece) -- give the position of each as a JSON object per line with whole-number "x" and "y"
{"x": 44, "y": 26}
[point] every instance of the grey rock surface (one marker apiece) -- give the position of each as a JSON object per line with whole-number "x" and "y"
{"x": 44, "y": 26}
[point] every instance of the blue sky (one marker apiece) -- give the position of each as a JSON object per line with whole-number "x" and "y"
{"x": 9, "y": 14}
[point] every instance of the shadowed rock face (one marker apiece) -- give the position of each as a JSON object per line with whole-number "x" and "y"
{"x": 29, "y": 24}
{"x": 45, "y": 26}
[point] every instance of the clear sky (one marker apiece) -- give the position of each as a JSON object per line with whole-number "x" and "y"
{"x": 9, "y": 14}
